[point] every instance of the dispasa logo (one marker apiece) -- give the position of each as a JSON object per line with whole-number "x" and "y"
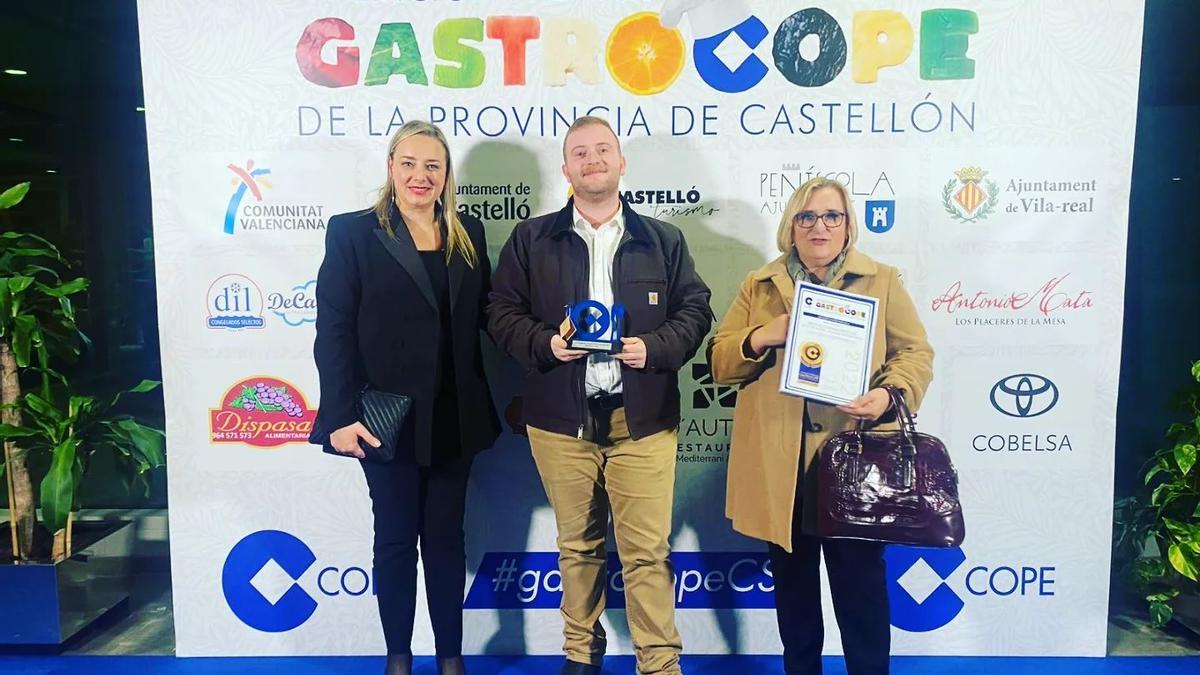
{"x": 640, "y": 53}
{"x": 264, "y": 412}
{"x": 974, "y": 199}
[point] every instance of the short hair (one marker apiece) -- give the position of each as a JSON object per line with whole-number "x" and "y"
{"x": 588, "y": 121}
{"x": 799, "y": 198}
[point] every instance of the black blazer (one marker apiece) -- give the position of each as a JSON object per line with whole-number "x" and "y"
{"x": 378, "y": 324}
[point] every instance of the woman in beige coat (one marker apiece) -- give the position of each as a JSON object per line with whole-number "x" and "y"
{"x": 776, "y": 438}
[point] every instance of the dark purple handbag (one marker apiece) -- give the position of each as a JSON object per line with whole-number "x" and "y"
{"x": 897, "y": 487}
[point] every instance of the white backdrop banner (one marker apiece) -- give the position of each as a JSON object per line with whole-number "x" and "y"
{"x": 988, "y": 147}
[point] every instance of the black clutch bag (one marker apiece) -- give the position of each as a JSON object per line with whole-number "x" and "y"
{"x": 383, "y": 415}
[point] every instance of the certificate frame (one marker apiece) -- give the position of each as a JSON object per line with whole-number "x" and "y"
{"x": 803, "y": 362}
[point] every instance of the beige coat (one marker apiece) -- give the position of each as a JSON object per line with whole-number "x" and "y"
{"x": 764, "y": 458}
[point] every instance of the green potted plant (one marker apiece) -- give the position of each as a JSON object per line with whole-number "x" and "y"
{"x": 53, "y": 582}
{"x": 1157, "y": 531}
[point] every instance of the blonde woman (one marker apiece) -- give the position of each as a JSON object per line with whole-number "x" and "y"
{"x": 772, "y": 490}
{"x": 400, "y": 301}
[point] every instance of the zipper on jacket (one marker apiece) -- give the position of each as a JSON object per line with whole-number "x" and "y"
{"x": 625, "y": 238}
{"x": 582, "y": 379}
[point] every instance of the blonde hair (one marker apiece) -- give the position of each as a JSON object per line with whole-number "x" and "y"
{"x": 796, "y": 204}
{"x": 588, "y": 121}
{"x": 446, "y": 211}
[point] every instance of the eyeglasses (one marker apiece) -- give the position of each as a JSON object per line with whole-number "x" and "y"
{"x": 806, "y": 220}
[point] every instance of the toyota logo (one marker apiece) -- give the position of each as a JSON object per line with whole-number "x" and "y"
{"x": 1024, "y": 395}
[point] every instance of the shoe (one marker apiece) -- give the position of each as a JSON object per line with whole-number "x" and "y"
{"x": 576, "y": 668}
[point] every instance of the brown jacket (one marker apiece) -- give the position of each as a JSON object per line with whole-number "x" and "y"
{"x": 764, "y": 458}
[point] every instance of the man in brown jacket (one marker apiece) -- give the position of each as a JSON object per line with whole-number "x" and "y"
{"x": 602, "y": 426}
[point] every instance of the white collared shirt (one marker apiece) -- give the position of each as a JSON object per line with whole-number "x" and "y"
{"x": 603, "y": 371}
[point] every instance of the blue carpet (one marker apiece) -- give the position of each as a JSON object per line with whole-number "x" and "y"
{"x": 617, "y": 665}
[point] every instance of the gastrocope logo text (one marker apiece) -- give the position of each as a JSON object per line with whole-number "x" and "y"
{"x": 264, "y": 412}
{"x": 645, "y": 57}
{"x": 574, "y": 46}
{"x": 702, "y": 580}
{"x": 835, "y": 308}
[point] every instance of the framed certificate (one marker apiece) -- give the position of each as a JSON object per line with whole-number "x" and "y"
{"x": 827, "y": 357}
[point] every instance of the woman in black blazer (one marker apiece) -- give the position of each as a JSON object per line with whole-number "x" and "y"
{"x": 400, "y": 299}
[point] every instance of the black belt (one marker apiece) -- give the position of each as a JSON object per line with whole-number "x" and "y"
{"x": 599, "y": 419}
{"x": 606, "y": 402}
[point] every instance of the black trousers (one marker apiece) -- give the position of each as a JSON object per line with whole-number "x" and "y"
{"x": 858, "y": 585}
{"x": 413, "y": 503}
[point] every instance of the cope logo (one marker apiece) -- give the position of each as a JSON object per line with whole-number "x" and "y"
{"x": 264, "y": 412}
{"x": 1024, "y": 395}
{"x": 263, "y": 578}
{"x": 235, "y": 302}
{"x": 921, "y": 585}
{"x": 245, "y": 572}
{"x": 709, "y": 394}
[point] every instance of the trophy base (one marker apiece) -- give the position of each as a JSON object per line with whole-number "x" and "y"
{"x": 602, "y": 346}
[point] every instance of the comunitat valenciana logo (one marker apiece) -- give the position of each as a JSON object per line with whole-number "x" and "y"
{"x": 257, "y": 213}
{"x": 643, "y": 53}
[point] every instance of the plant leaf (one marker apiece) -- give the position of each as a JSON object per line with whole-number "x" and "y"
{"x": 145, "y": 386}
{"x": 1177, "y": 529}
{"x": 150, "y": 443}
{"x": 18, "y": 284}
{"x": 13, "y": 195}
{"x": 22, "y": 338}
{"x": 8, "y": 431}
{"x": 1157, "y": 469}
{"x": 1157, "y": 495}
{"x": 141, "y": 388}
{"x": 1185, "y": 457}
{"x": 1164, "y": 596}
{"x": 43, "y": 407}
{"x": 58, "y": 487}
{"x": 1160, "y": 614}
{"x": 1184, "y": 561}
{"x": 69, "y": 288}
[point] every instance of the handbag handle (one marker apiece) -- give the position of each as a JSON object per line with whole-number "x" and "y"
{"x": 908, "y": 446}
{"x": 904, "y": 415}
